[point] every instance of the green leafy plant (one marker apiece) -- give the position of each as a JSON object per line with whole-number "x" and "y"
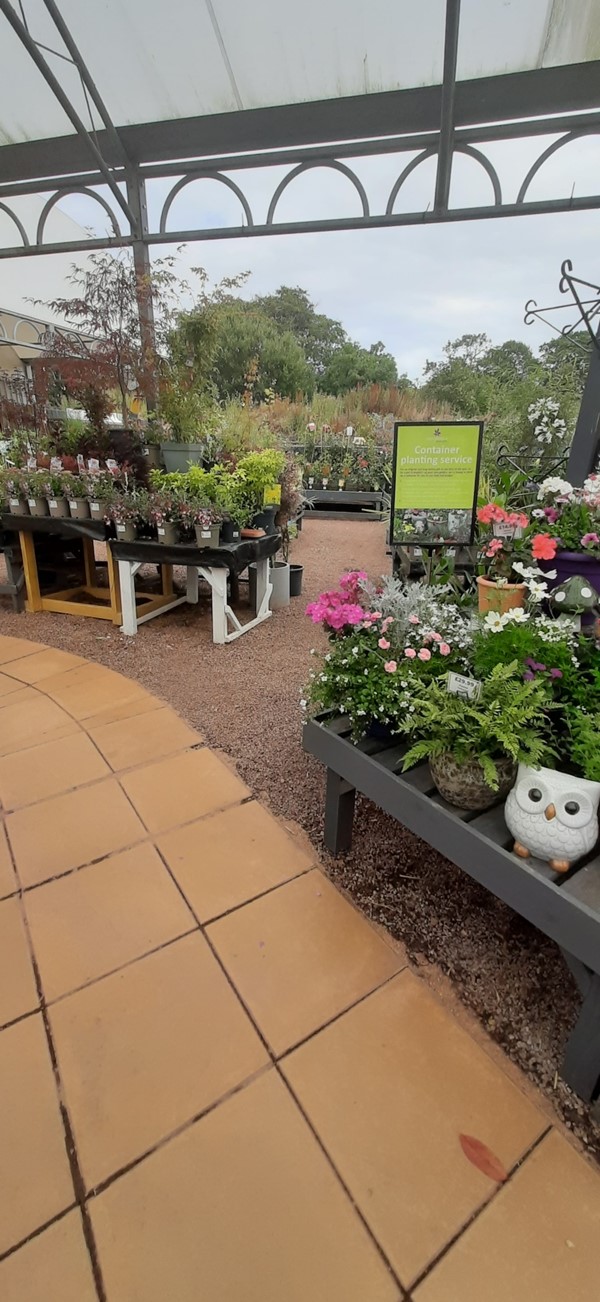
{"x": 584, "y": 743}
{"x": 76, "y": 487}
{"x": 261, "y": 470}
{"x": 509, "y": 719}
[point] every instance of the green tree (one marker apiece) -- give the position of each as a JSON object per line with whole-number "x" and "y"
{"x": 251, "y": 353}
{"x": 352, "y": 366}
{"x": 509, "y": 362}
{"x": 291, "y": 309}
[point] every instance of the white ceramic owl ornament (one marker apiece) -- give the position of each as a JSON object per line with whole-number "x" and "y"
{"x": 553, "y": 816}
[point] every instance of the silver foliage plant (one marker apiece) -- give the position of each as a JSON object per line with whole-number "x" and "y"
{"x": 433, "y": 607}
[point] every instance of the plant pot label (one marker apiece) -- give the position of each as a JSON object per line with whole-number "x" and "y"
{"x": 501, "y": 529}
{"x": 56, "y": 465}
{"x": 31, "y": 502}
{"x": 460, "y": 685}
{"x": 121, "y": 528}
{"x": 93, "y": 464}
{"x": 111, "y": 464}
{"x": 52, "y": 504}
{"x": 15, "y": 501}
{"x": 205, "y": 533}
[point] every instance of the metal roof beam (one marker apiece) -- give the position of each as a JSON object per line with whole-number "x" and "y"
{"x": 445, "y": 150}
{"x": 32, "y": 49}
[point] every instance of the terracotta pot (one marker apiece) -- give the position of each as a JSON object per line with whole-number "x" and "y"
{"x": 499, "y": 597}
{"x": 462, "y": 783}
{"x": 253, "y": 533}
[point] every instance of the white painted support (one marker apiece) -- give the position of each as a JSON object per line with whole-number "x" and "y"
{"x": 192, "y": 585}
{"x": 127, "y": 573}
{"x": 222, "y": 612}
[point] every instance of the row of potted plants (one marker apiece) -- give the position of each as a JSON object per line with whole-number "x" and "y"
{"x": 497, "y": 702}
{"x": 349, "y": 468}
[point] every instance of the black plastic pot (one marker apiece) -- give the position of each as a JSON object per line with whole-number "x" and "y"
{"x": 266, "y": 519}
{"x": 230, "y": 532}
{"x": 296, "y": 576}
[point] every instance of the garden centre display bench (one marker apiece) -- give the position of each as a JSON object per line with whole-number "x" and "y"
{"x": 88, "y": 597}
{"x": 215, "y": 565}
{"x": 566, "y": 907}
{"x": 337, "y": 504}
{"x": 14, "y": 585}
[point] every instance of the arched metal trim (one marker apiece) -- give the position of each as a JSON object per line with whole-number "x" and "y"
{"x": 431, "y": 153}
{"x": 19, "y": 225}
{"x": 552, "y": 149}
{"x": 76, "y": 189}
{"x": 203, "y": 176}
{"x": 309, "y": 167}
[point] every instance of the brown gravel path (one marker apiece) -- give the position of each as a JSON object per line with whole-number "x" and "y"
{"x": 245, "y": 699}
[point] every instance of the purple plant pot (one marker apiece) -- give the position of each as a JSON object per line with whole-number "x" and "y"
{"x": 567, "y": 565}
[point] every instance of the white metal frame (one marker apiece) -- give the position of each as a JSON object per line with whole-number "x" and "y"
{"x": 216, "y": 577}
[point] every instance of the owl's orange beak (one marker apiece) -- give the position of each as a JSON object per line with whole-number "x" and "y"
{"x": 549, "y": 812}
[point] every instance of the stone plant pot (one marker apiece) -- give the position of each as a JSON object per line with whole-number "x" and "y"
{"x": 126, "y": 532}
{"x": 499, "y": 597}
{"x": 168, "y": 533}
{"x": 59, "y": 508}
{"x": 79, "y": 508}
{"x": 18, "y": 506}
{"x": 38, "y": 506}
{"x": 207, "y": 537}
{"x": 553, "y": 816}
{"x": 153, "y": 454}
{"x": 463, "y": 784}
{"x": 180, "y": 456}
{"x": 97, "y": 510}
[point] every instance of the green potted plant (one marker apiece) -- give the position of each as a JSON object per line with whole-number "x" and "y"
{"x": 262, "y": 472}
{"x": 498, "y": 589}
{"x": 153, "y": 438}
{"x": 36, "y": 486}
{"x": 56, "y": 492}
{"x": 101, "y": 492}
{"x": 77, "y": 487}
{"x": 231, "y": 501}
{"x": 475, "y": 745}
{"x": 16, "y": 489}
{"x": 205, "y": 521}
{"x": 126, "y": 511}
{"x": 190, "y": 417}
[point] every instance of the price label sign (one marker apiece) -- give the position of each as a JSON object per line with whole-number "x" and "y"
{"x": 459, "y": 685}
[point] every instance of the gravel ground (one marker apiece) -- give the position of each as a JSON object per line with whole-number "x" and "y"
{"x": 244, "y": 698}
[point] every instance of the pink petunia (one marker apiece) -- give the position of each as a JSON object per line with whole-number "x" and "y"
{"x": 424, "y": 654}
{"x": 590, "y": 540}
{"x": 386, "y": 623}
{"x": 414, "y": 619}
{"x": 445, "y": 649}
{"x": 390, "y": 666}
{"x": 376, "y": 614}
{"x": 437, "y": 637}
{"x": 384, "y": 644}
{"x": 410, "y": 653}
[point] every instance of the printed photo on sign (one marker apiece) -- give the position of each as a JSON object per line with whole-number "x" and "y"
{"x": 434, "y": 491}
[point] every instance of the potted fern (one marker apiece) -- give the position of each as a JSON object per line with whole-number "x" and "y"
{"x": 475, "y": 745}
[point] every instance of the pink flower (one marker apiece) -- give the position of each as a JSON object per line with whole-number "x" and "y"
{"x": 543, "y": 548}
{"x": 410, "y": 653}
{"x": 384, "y": 644}
{"x": 386, "y": 623}
{"x": 424, "y": 654}
{"x": 414, "y": 619}
{"x": 445, "y": 649}
{"x": 590, "y": 540}
{"x": 494, "y": 545}
{"x": 376, "y": 614}
{"x": 437, "y": 637}
{"x": 390, "y": 666}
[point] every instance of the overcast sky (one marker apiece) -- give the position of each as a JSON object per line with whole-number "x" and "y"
{"x": 414, "y": 288}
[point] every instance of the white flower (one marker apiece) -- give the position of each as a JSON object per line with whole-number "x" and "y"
{"x": 537, "y": 591}
{"x": 328, "y": 656}
{"x": 313, "y": 651}
{"x": 538, "y": 513}
{"x": 355, "y": 650}
{"x": 493, "y": 622}
{"x": 365, "y": 672}
{"x": 527, "y": 571}
{"x": 555, "y": 487}
{"x": 303, "y": 704}
{"x": 515, "y": 616}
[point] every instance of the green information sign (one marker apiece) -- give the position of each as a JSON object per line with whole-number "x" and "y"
{"x": 434, "y": 490}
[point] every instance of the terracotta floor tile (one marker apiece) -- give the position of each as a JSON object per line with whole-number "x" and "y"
{"x": 126, "y": 710}
{"x": 149, "y": 736}
{"x": 253, "y": 1211}
{"x": 29, "y": 719}
{"x": 8, "y": 881}
{"x": 49, "y": 769}
{"x": 89, "y": 689}
{"x": 53, "y": 1267}
{"x": 389, "y": 1088}
{"x": 18, "y": 994}
{"x": 8, "y": 685}
{"x": 19, "y": 696}
{"x": 184, "y": 787}
{"x": 35, "y": 1181}
{"x": 11, "y": 648}
{"x": 69, "y": 830}
{"x": 538, "y": 1240}
{"x": 143, "y": 1051}
{"x": 299, "y": 956}
{"x": 94, "y": 921}
{"x": 34, "y": 668}
{"x": 222, "y": 861}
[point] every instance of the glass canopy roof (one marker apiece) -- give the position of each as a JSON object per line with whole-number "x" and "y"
{"x": 159, "y": 61}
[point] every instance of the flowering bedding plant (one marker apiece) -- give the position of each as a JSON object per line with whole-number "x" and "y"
{"x": 567, "y": 518}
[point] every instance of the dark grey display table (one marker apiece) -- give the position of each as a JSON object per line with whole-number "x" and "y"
{"x": 339, "y": 504}
{"x": 566, "y": 907}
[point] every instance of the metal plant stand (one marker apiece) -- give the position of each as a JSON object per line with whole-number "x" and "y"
{"x": 566, "y": 907}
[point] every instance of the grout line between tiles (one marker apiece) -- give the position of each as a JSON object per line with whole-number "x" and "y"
{"x": 280, "y": 1057}
{"x": 39, "y": 1229}
{"x": 491, "y": 1198}
{"x": 14, "y": 1021}
{"x": 218, "y": 917}
{"x": 68, "y": 1133}
{"x": 121, "y": 967}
